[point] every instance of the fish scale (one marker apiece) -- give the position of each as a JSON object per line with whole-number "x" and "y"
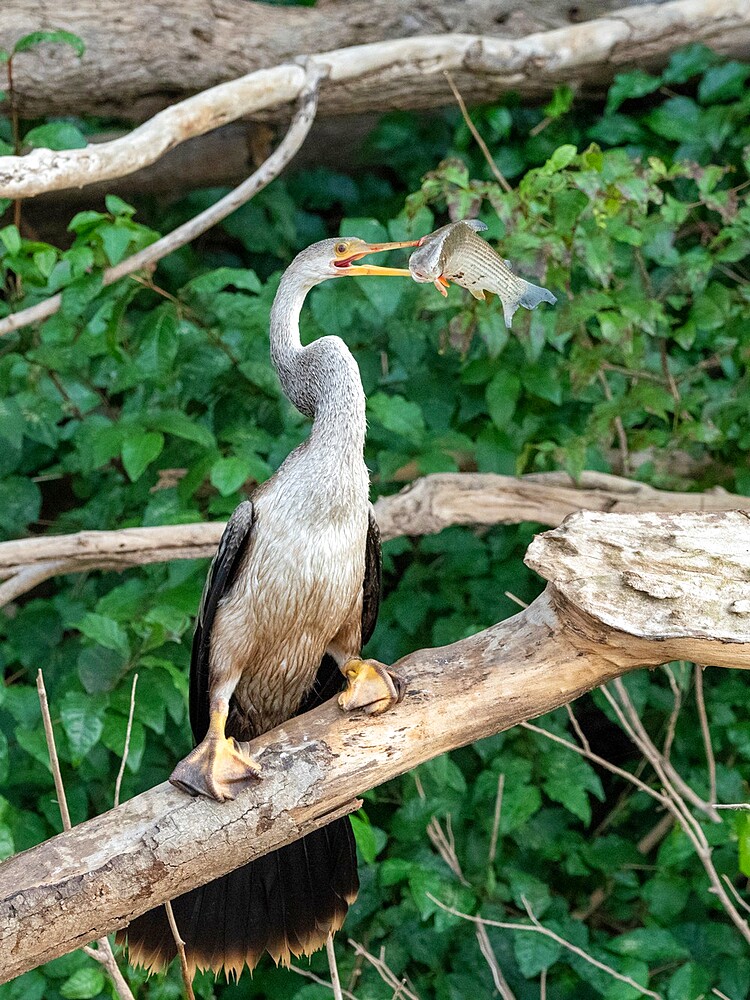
{"x": 455, "y": 253}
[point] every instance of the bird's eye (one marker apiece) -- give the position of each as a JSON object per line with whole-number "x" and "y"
{"x": 341, "y": 248}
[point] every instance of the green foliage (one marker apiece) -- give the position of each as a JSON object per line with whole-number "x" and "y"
{"x": 153, "y": 402}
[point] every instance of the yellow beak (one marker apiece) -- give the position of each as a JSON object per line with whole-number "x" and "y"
{"x": 359, "y": 269}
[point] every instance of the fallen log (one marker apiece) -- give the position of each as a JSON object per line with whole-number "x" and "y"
{"x": 624, "y": 591}
{"x": 399, "y": 73}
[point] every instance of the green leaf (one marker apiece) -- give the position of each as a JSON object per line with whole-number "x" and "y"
{"x": 3, "y": 757}
{"x": 502, "y": 394}
{"x": 650, "y": 944}
{"x": 690, "y": 981}
{"x": 115, "y": 240}
{"x": 82, "y": 719}
{"x": 55, "y": 37}
{"x": 397, "y": 414}
{"x": 11, "y": 239}
{"x": 561, "y": 103}
{"x": 228, "y": 474}
{"x": 568, "y": 780}
{"x": 100, "y": 669}
{"x": 83, "y": 984}
{"x": 116, "y": 206}
{"x": 676, "y": 119}
{"x": 562, "y": 157}
{"x": 20, "y": 503}
{"x": 105, "y": 631}
{"x": 183, "y": 426}
{"x": 139, "y": 450}
{"x": 534, "y": 952}
{"x": 55, "y": 135}
{"x": 364, "y": 836}
{"x": 722, "y": 83}
{"x": 635, "y": 84}
{"x": 688, "y": 62}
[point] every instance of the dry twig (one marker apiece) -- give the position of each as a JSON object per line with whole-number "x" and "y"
{"x": 187, "y": 979}
{"x": 496, "y": 818}
{"x": 334, "y": 969}
{"x": 126, "y": 749}
{"x": 384, "y": 971}
{"x": 499, "y": 177}
{"x": 321, "y": 982}
{"x": 103, "y": 953}
{"x": 700, "y": 702}
{"x": 536, "y": 927}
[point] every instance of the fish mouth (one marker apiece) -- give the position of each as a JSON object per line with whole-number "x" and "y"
{"x": 348, "y": 266}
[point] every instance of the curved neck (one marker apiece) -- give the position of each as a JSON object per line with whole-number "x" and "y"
{"x": 322, "y": 380}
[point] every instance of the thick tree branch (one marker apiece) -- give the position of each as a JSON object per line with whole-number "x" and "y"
{"x": 271, "y": 168}
{"x": 426, "y": 506}
{"x": 624, "y": 591}
{"x": 399, "y": 73}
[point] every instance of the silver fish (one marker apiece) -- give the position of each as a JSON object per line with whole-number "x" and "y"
{"x": 455, "y": 253}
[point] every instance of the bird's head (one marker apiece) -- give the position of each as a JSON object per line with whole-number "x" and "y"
{"x": 338, "y": 258}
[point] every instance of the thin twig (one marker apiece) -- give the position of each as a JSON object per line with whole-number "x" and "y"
{"x": 700, "y": 702}
{"x": 62, "y": 801}
{"x": 333, "y": 968}
{"x": 622, "y": 438}
{"x": 187, "y": 979}
{"x": 536, "y": 927}
{"x": 479, "y": 140}
{"x": 321, "y": 982}
{"x": 490, "y": 958}
{"x": 496, "y": 817}
{"x": 717, "y": 993}
{"x": 126, "y": 748}
{"x": 674, "y": 714}
{"x": 577, "y": 728}
{"x": 640, "y": 737}
{"x": 543, "y": 985}
{"x": 387, "y": 974}
{"x": 733, "y": 889}
{"x": 103, "y": 953}
{"x": 516, "y": 600}
{"x": 298, "y": 130}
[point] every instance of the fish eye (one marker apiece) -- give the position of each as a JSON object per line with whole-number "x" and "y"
{"x": 341, "y": 248}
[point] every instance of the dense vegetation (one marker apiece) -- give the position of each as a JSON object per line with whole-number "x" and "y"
{"x": 153, "y": 401}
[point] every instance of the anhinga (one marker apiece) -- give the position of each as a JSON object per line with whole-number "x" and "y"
{"x": 291, "y": 597}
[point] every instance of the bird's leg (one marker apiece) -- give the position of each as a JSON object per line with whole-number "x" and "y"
{"x": 370, "y": 685}
{"x": 218, "y": 767}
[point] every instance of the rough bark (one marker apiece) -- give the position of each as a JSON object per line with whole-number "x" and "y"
{"x": 204, "y": 43}
{"x": 400, "y": 73}
{"x": 424, "y": 507}
{"x": 624, "y": 591}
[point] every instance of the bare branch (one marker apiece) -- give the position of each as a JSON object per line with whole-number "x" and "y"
{"x": 536, "y": 927}
{"x": 321, "y": 982}
{"x": 187, "y": 979}
{"x": 700, "y": 702}
{"x": 102, "y": 954}
{"x": 384, "y": 971}
{"x": 477, "y": 137}
{"x": 298, "y": 130}
{"x": 126, "y": 748}
{"x": 424, "y": 507}
{"x": 501, "y": 984}
{"x": 398, "y": 73}
{"x": 597, "y": 619}
{"x": 334, "y": 969}
{"x": 496, "y": 818}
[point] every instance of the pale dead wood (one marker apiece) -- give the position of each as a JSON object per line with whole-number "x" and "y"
{"x": 624, "y": 591}
{"x": 398, "y": 73}
{"x": 385, "y": 972}
{"x": 334, "y": 969}
{"x": 147, "y": 258}
{"x": 126, "y": 749}
{"x": 187, "y": 979}
{"x": 424, "y": 507}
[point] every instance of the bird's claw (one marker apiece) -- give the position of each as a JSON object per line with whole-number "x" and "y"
{"x": 370, "y": 686}
{"x": 218, "y": 768}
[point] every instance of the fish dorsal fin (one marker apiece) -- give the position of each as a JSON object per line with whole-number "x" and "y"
{"x": 476, "y": 225}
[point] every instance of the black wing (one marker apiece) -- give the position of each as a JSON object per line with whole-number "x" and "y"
{"x": 221, "y": 576}
{"x": 328, "y": 679}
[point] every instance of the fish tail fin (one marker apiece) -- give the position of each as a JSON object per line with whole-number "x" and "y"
{"x": 285, "y": 903}
{"x": 532, "y": 295}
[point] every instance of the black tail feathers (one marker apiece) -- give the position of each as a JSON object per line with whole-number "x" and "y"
{"x": 285, "y": 903}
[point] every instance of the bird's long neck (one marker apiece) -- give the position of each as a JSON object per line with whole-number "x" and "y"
{"x": 322, "y": 380}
